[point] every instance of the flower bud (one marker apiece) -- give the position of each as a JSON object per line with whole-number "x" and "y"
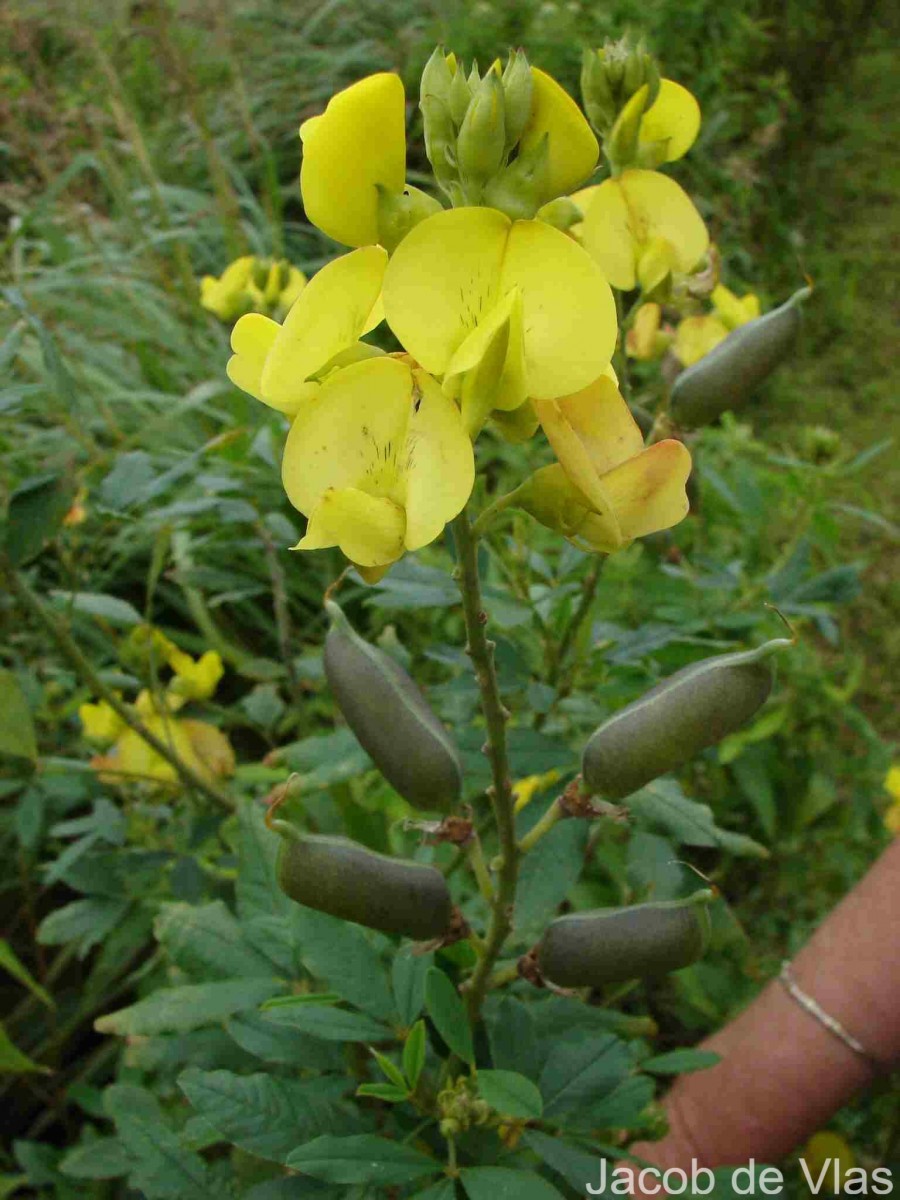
{"x": 562, "y": 213}
{"x": 612, "y": 945}
{"x": 344, "y": 879}
{"x": 684, "y": 714}
{"x": 440, "y": 139}
{"x": 391, "y": 718}
{"x": 518, "y": 89}
{"x": 437, "y": 77}
{"x": 397, "y": 215}
{"x": 611, "y": 76}
{"x": 518, "y": 188}
{"x": 481, "y": 145}
{"x": 460, "y": 97}
{"x": 726, "y": 377}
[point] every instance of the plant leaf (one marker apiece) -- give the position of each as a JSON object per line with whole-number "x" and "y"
{"x": 449, "y": 1015}
{"x": 510, "y": 1094}
{"x": 363, "y": 1158}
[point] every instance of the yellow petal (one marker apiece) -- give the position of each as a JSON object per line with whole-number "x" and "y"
{"x": 212, "y": 751}
{"x": 357, "y": 144}
{"x": 196, "y": 680}
{"x": 296, "y": 282}
{"x": 641, "y": 342}
{"x": 606, "y": 234}
{"x": 551, "y": 498}
{"x": 569, "y": 315}
{"x": 573, "y": 149}
{"x": 368, "y": 529}
{"x": 659, "y": 208}
{"x": 603, "y": 423}
{"x": 892, "y": 781}
{"x": 672, "y": 119}
{"x": 656, "y": 262}
{"x": 516, "y": 426}
{"x": 251, "y": 340}
{"x": 439, "y": 464}
{"x": 572, "y": 454}
{"x": 100, "y": 722}
{"x": 648, "y": 491}
{"x": 732, "y": 311}
{"x": 488, "y": 369}
{"x": 330, "y": 315}
{"x": 696, "y": 336}
{"x": 442, "y": 281}
{"x": 352, "y": 435}
{"x": 133, "y": 756}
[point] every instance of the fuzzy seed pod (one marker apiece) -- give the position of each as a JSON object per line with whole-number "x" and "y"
{"x": 344, "y": 879}
{"x": 391, "y": 718}
{"x": 611, "y": 945}
{"x": 663, "y": 729}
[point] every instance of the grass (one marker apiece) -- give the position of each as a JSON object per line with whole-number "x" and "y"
{"x": 847, "y": 377}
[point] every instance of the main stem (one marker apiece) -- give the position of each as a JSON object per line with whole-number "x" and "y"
{"x": 481, "y": 651}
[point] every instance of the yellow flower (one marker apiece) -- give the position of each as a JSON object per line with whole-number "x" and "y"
{"x": 892, "y": 782}
{"x": 824, "y": 1152}
{"x": 350, "y": 152}
{"x": 251, "y": 284}
{"x": 646, "y": 340}
{"x": 379, "y": 463}
{"x": 640, "y": 227}
{"x": 526, "y": 789}
{"x": 732, "y": 310}
{"x": 696, "y": 336}
{"x": 282, "y": 364}
{"x": 100, "y": 722}
{"x": 460, "y": 275}
{"x": 664, "y": 133}
{"x": 572, "y": 149}
{"x": 606, "y": 489}
{"x": 199, "y": 745}
{"x": 195, "y": 679}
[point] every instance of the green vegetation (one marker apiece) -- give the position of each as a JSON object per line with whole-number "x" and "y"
{"x": 159, "y": 1037}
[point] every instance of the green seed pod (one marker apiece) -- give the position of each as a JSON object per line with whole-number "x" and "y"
{"x": 611, "y": 945}
{"x": 391, "y": 718}
{"x": 726, "y": 377}
{"x": 663, "y": 729}
{"x": 337, "y": 876}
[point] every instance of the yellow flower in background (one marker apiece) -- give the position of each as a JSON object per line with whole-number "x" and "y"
{"x": 199, "y": 745}
{"x": 251, "y": 284}
{"x": 734, "y": 311}
{"x": 379, "y": 463}
{"x": 662, "y": 134}
{"x": 195, "y": 679}
{"x": 282, "y": 365}
{"x": 465, "y": 271}
{"x": 526, "y": 789}
{"x": 641, "y": 227}
{"x": 646, "y": 340}
{"x": 696, "y": 336}
{"x": 892, "y": 784}
{"x": 606, "y": 489}
{"x": 830, "y": 1156}
{"x": 100, "y": 722}
{"x": 356, "y": 147}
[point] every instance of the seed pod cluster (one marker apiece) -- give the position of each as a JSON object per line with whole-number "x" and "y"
{"x": 726, "y": 377}
{"x": 391, "y": 718}
{"x": 663, "y": 729}
{"x": 611, "y": 945}
{"x": 344, "y": 879}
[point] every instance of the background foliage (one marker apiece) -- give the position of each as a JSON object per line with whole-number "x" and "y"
{"x": 149, "y": 143}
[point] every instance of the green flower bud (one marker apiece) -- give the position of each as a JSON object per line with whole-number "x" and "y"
{"x": 726, "y": 377}
{"x": 517, "y": 189}
{"x": 562, "y": 213}
{"x": 518, "y": 86}
{"x": 612, "y": 945}
{"x": 391, "y": 718}
{"x": 397, "y": 215}
{"x": 344, "y": 879}
{"x": 663, "y": 729}
{"x": 460, "y": 97}
{"x": 611, "y": 76}
{"x": 440, "y": 139}
{"x": 481, "y": 145}
{"x": 437, "y": 77}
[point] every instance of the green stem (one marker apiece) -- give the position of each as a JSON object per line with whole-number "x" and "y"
{"x": 70, "y": 650}
{"x": 481, "y": 652}
{"x": 588, "y": 592}
{"x": 553, "y": 814}
{"x": 479, "y": 869}
{"x": 487, "y": 515}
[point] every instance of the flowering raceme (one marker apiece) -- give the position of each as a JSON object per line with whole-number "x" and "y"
{"x": 499, "y": 310}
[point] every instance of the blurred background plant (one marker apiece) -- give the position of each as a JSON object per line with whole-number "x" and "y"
{"x": 147, "y": 145}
